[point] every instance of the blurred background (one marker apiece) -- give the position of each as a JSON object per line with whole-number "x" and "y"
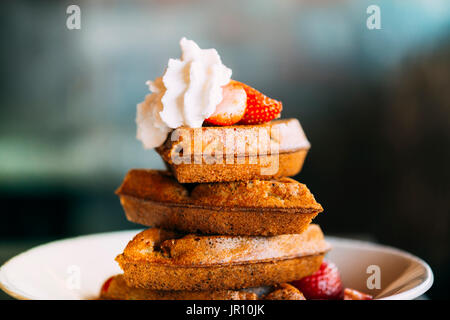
{"x": 375, "y": 105}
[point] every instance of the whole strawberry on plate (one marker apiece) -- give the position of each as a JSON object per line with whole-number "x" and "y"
{"x": 105, "y": 285}
{"x": 325, "y": 283}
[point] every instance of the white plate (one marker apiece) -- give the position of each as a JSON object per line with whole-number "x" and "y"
{"x": 76, "y": 268}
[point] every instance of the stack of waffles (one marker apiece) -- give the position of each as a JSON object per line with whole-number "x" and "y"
{"x": 226, "y": 221}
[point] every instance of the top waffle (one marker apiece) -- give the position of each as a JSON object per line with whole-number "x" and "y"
{"x": 236, "y": 153}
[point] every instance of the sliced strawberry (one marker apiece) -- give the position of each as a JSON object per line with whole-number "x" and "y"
{"x": 325, "y": 283}
{"x": 260, "y": 108}
{"x": 232, "y": 107}
{"x": 352, "y": 294}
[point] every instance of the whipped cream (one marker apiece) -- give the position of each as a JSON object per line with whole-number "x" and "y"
{"x": 151, "y": 129}
{"x": 186, "y": 95}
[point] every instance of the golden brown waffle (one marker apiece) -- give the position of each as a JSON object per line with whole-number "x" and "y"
{"x": 236, "y": 153}
{"x": 117, "y": 289}
{"x": 163, "y": 260}
{"x": 256, "y": 207}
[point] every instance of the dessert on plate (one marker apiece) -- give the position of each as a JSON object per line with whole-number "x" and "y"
{"x": 225, "y": 219}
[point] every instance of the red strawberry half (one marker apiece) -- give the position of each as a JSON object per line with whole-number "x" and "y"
{"x": 232, "y": 107}
{"x": 260, "y": 108}
{"x": 325, "y": 283}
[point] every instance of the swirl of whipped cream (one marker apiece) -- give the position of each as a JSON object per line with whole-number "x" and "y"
{"x": 186, "y": 95}
{"x": 151, "y": 129}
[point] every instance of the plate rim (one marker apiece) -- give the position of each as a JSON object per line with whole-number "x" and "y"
{"x": 19, "y": 294}
{"x": 406, "y": 295}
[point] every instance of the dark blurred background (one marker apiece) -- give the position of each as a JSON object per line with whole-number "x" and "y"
{"x": 375, "y": 105}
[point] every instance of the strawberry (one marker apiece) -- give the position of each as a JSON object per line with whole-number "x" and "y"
{"x": 352, "y": 294}
{"x": 325, "y": 283}
{"x": 105, "y": 285}
{"x": 232, "y": 107}
{"x": 260, "y": 108}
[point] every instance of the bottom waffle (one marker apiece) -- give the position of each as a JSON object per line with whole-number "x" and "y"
{"x": 115, "y": 288}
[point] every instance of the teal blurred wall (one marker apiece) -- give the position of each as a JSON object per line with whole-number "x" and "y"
{"x": 68, "y": 97}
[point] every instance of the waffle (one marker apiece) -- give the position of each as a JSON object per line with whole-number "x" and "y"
{"x": 158, "y": 259}
{"x": 257, "y": 207}
{"x": 236, "y": 153}
{"x": 116, "y": 288}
